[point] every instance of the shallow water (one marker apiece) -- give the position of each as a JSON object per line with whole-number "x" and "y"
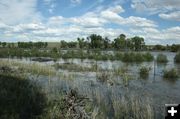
{"x": 157, "y": 90}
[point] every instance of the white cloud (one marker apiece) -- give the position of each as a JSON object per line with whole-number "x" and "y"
{"x": 17, "y": 11}
{"x": 76, "y": 2}
{"x": 58, "y": 28}
{"x": 89, "y": 19}
{"x": 155, "y": 36}
{"x": 112, "y": 16}
{"x": 155, "y": 6}
{"x": 171, "y": 16}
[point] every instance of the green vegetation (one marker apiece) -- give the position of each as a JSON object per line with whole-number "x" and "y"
{"x": 20, "y": 98}
{"x": 137, "y": 57}
{"x": 144, "y": 72}
{"x": 80, "y": 54}
{"x": 170, "y": 74}
{"x": 74, "y": 67}
{"x": 177, "y": 58}
{"x": 161, "y": 58}
{"x": 34, "y": 68}
{"x": 132, "y": 108}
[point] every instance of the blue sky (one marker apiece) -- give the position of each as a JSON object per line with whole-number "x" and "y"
{"x": 158, "y": 21}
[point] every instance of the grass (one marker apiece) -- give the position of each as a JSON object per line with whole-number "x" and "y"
{"x": 137, "y": 57}
{"x": 74, "y": 67}
{"x": 80, "y": 54}
{"x": 144, "y": 72}
{"x": 34, "y": 68}
{"x": 171, "y": 74}
{"x": 20, "y": 98}
{"x": 161, "y": 58}
{"x": 132, "y": 108}
{"x": 23, "y": 99}
{"x": 177, "y": 58}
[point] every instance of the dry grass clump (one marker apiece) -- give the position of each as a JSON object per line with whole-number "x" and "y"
{"x": 132, "y": 108}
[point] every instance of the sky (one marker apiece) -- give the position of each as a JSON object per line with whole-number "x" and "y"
{"x": 157, "y": 21}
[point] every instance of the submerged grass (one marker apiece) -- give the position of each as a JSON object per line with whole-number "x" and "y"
{"x": 144, "y": 72}
{"x": 132, "y": 108}
{"x": 74, "y": 67}
{"x": 171, "y": 74}
{"x": 177, "y": 58}
{"x": 161, "y": 58}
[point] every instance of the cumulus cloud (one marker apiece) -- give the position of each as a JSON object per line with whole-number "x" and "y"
{"x": 27, "y": 24}
{"x": 155, "y": 6}
{"x": 154, "y": 36}
{"x": 16, "y": 11}
{"x": 171, "y": 16}
{"x": 112, "y": 16}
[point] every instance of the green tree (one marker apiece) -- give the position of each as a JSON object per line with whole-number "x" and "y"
{"x": 45, "y": 45}
{"x": 96, "y": 41}
{"x": 81, "y": 42}
{"x": 106, "y": 42}
{"x": 64, "y": 44}
{"x": 4, "y": 44}
{"x": 120, "y": 42}
{"x": 138, "y": 43}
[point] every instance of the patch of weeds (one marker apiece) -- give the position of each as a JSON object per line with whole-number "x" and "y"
{"x": 161, "y": 58}
{"x": 144, "y": 72}
{"x": 177, "y": 58}
{"x": 171, "y": 74}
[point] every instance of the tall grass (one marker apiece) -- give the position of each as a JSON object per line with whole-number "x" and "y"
{"x": 34, "y": 68}
{"x": 161, "y": 58}
{"x": 132, "y": 108}
{"x": 144, "y": 72}
{"x": 171, "y": 74}
{"x": 177, "y": 58}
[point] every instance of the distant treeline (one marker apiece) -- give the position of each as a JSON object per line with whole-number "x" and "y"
{"x": 95, "y": 41}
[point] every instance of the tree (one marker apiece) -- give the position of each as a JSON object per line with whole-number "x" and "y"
{"x": 106, "y": 42}
{"x": 120, "y": 42}
{"x": 175, "y": 48}
{"x": 45, "y": 45}
{"x": 64, "y": 44}
{"x": 138, "y": 43}
{"x": 80, "y": 42}
{"x": 4, "y": 44}
{"x": 96, "y": 41}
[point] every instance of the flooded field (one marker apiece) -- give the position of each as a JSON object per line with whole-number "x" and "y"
{"x": 116, "y": 89}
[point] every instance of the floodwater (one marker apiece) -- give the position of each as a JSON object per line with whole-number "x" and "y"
{"x": 157, "y": 90}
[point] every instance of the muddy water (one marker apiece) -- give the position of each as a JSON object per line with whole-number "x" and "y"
{"x": 157, "y": 90}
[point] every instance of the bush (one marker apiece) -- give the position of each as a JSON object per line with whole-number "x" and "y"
{"x": 144, "y": 72}
{"x": 177, "y": 58}
{"x": 170, "y": 74}
{"x": 148, "y": 56}
{"x": 161, "y": 58}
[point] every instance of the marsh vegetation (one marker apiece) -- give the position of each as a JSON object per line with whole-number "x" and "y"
{"x": 91, "y": 79}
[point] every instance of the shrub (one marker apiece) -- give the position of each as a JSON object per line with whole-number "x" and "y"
{"x": 161, "y": 58}
{"x": 138, "y": 57}
{"x": 148, "y": 56}
{"x": 144, "y": 72}
{"x": 170, "y": 74}
{"x": 128, "y": 57}
{"x": 177, "y": 58}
